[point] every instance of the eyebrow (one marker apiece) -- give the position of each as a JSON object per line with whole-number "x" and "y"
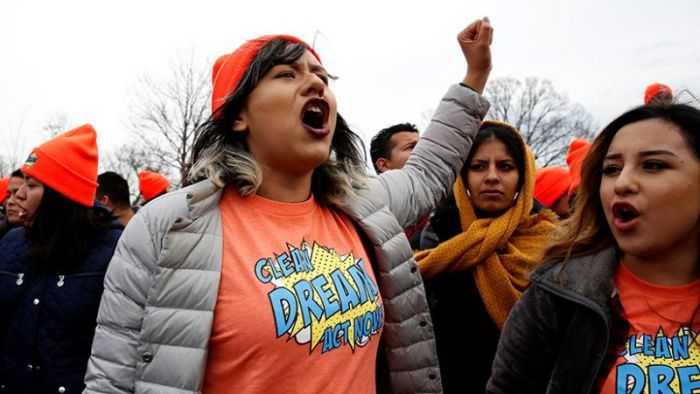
{"x": 313, "y": 67}
{"x": 480, "y": 160}
{"x": 647, "y": 153}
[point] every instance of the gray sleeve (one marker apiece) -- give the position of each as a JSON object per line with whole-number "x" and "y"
{"x": 112, "y": 364}
{"x": 425, "y": 180}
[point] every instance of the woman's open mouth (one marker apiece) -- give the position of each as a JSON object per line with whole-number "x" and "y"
{"x": 626, "y": 216}
{"x": 314, "y": 117}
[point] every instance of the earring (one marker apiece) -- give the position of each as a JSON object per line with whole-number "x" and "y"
{"x": 515, "y": 197}
{"x": 469, "y": 194}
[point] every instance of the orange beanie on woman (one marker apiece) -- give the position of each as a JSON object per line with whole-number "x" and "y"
{"x": 228, "y": 69}
{"x": 67, "y": 164}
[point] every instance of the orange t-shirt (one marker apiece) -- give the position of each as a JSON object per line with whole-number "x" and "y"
{"x": 660, "y": 355}
{"x": 298, "y": 308}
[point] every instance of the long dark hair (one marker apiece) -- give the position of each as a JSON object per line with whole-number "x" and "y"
{"x": 63, "y": 231}
{"x": 586, "y": 231}
{"x": 223, "y": 156}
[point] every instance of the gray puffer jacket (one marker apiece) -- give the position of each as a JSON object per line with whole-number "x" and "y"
{"x": 156, "y": 314}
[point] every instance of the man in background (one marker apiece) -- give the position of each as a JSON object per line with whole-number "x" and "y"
{"x": 390, "y": 150}
{"x": 113, "y": 192}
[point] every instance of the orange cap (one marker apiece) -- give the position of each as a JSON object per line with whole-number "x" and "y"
{"x": 4, "y": 183}
{"x": 577, "y": 151}
{"x": 550, "y": 184}
{"x": 654, "y": 89}
{"x": 152, "y": 184}
{"x": 228, "y": 69}
{"x": 67, "y": 163}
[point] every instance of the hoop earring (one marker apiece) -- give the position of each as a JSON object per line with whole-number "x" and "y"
{"x": 515, "y": 197}
{"x": 469, "y": 194}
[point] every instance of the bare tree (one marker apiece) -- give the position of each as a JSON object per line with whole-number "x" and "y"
{"x": 168, "y": 111}
{"x": 130, "y": 159}
{"x": 544, "y": 116}
{"x": 56, "y": 124}
{"x": 12, "y": 149}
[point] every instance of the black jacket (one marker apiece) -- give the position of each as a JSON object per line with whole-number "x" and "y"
{"x": 49, "y": 313}
{"x": 465, "y": 351}
{"x": 557, "y": 337}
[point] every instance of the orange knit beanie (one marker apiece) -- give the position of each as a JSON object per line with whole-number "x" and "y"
{"x": 550, "y": 184}
{"x": 152, "y": 184}
{"x": 67, "y": 163}
{"x": 654, "y": 89}
{"x": 4, "y": 183}
{"x": 228, "y": 69}
{"x": 577, "y": 151}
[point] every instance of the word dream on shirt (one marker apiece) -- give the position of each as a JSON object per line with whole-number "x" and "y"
{"x": 660, "y": 364}
{"x": 321, "y": 297}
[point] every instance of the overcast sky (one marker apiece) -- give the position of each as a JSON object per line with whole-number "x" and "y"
{"x": 395, "y": 59}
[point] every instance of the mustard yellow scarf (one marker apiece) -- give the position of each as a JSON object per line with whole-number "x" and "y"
{"x": 501, "y": 251}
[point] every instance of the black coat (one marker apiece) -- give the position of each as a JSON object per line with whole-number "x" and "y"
{"x": 49, "y": 313}
{"x": 465, "y": 351}
{"x": 563, "y": 336}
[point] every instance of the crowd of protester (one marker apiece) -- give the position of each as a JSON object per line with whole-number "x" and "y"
{"x": 286, "y": 266}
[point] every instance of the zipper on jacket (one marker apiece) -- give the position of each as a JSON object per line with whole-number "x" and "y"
{"x": 590, "y": 305}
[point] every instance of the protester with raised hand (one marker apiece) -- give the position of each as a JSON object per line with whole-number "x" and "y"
{"x": 285, "y": 267}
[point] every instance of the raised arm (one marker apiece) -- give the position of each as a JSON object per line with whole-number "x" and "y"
{"x": 425, "y": 180}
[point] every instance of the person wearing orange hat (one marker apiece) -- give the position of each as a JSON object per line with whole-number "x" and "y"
{"x": 9, "y": 205}
{"x": 574, "y": 158}
{"x": 284, "y": 267}
{"x": 4, "y": 182}
{"x": 658, "y": 94}
{"x": 52, "y": 269}
{"x": 551, "y": 189}
{"x": 4, "y": 225}
{"x": 152, "y": 185}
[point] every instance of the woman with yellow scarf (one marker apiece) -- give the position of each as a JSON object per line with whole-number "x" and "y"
{"x": 478, "y": 251}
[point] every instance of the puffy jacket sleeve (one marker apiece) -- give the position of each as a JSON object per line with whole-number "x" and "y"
{"x": 425, "y": 180}
{"x": 528, "y": 345}
{"x": 112, "y": 364}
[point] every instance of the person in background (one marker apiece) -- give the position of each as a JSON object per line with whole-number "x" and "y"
{"x": 551, "y": 189}
{"x": 4, "y": 224}
{"x": 389, "y": 150}
{"x": 284, "y": 268}
{"x": 488, "y": 240}
{"x": 152, "y": 185}
{"x": 391, "y": 147}
{"x": 113, "y": 192}
{"x": 9, "y": 211}
{"x": 616, "y": 306}
{"x": 52, "y": 269}
{"x": 658, "y": 94}
{"x": 12, "y": 209}
{"x": 577, "y": 151}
